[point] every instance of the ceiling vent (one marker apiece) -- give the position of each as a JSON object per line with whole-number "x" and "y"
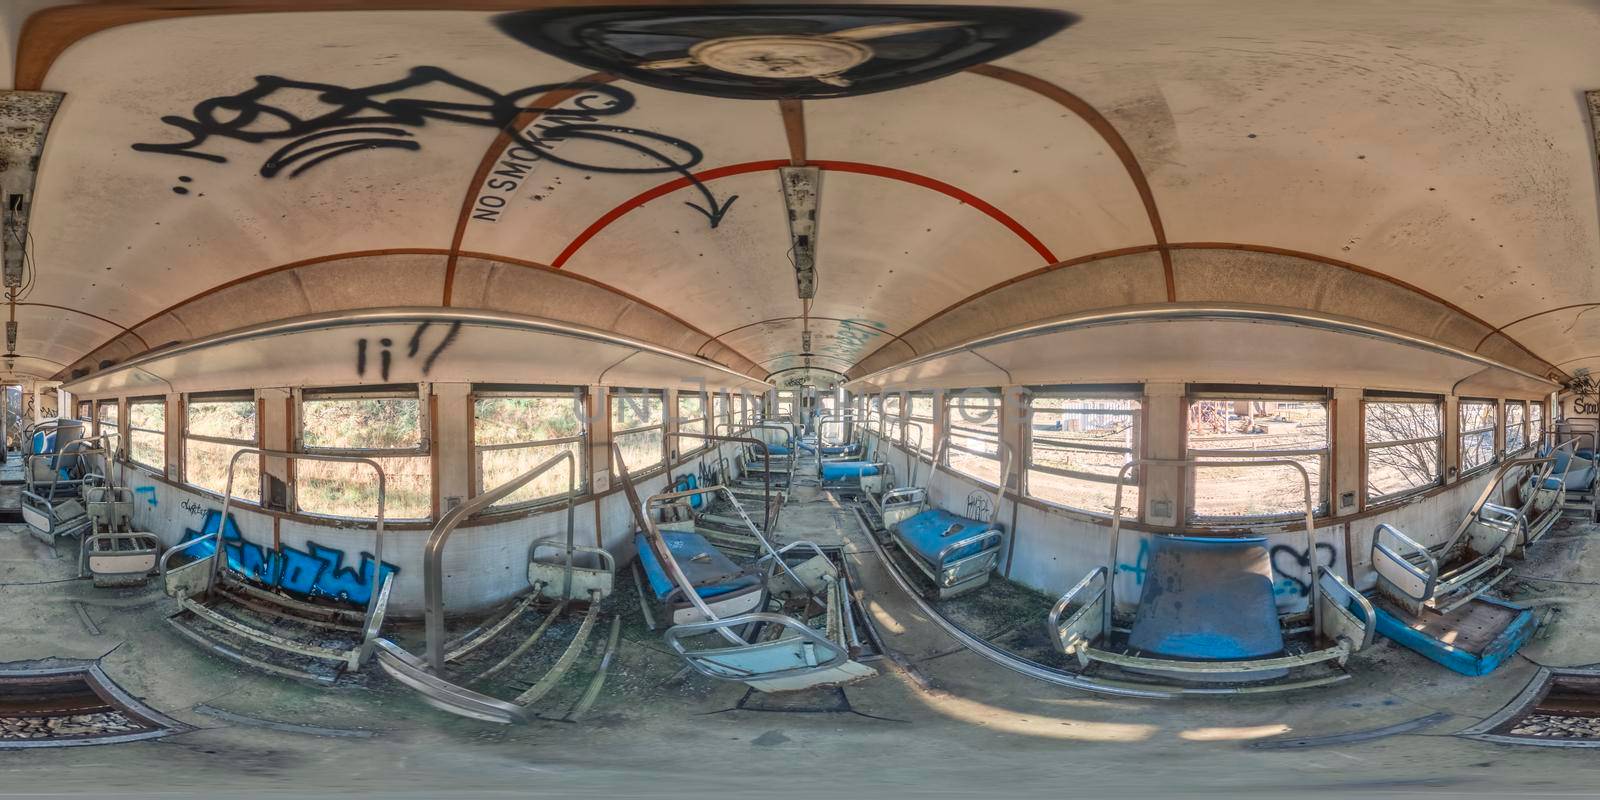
{"x": 783, "y": 51}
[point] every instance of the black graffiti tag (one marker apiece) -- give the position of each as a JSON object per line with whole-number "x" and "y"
{"x": 353, "y": 119}
{"x": 1298, "y": 561}
{"x": 413, "y": 346}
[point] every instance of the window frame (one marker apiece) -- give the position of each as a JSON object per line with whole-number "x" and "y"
{"x": 160, "y": 402}
{"x": 1322, "y": 500}
{"x": 115, "y": 404}
{"x": 579, "y": 396}
{"x": 703, "y": 420}
{"x": 1536, "y": 429}
{"x": 620, "y": 394}
{"x": 997, "y": 396}
{"x": 244, "y": 396}
{"x": 424, "y": 449}
{"x": 1026, "y": 465}
{"x": 1462, "y": 433}
{"x": 1506, "y": 425}
{"x": 1369, "y": 501}
{"x": 924, "y": 449}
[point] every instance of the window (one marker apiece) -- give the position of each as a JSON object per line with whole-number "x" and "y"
{"x": 106, "y": 413}
{"x": 1077, "y": 444}
{"x": 894, "y": 426}
{"x": 85, "y": 410}
{"x": 721, "y": 421}
{"x": 147, "y": 432}
{"x": 216, "y": 427}
{"x": 972, "y": 418}
{"x": 514, "y": 431}
{"x": 786, "y": 406}
{"x": 1226, "y": 426}
{"x": 1536, "y": 421}
{"x": 1516, "y": 429}
{"x": 691, "y": 419}
{"x": 921, "y": 406}
{"x": 1477, "y": 434}
{"x": 1402, "y": 441}
{"x": 385, "y": 426}
{"x": 638, "y": 427}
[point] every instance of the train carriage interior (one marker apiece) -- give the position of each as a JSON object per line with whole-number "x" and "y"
{"x": 438, "y": 398}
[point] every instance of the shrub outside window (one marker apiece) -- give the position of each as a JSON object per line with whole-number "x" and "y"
{"x": 386, "y": 426}
{"x": 215, "y": 427}
{"x": 515, "y": 430}
{"x": 638, "y": 427}
{"x": 147, "y": 432}
{"x": 1402, "y": 444}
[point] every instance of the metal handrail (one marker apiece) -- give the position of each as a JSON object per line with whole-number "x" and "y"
{"x": 768, "y": 518}
{"x": 433, "y": 551}
{"x": 1194, "y": 463}
{"x": 942, "y": 449}
{"x": 844, "y": 419}
{"x": 1489, "y": 490}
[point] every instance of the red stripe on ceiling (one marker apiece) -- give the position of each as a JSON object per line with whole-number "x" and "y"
{"x": 856, "y": 167}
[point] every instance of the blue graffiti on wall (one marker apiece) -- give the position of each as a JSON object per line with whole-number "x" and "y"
{"x": 147, "y": 490}
{"x": 1138, "y": 568}
{"x": 317, "y": 572}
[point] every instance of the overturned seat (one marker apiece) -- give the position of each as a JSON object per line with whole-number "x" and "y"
{"x": 782, "y": 621}
{"x": 1433, "y": 599}
{"x": 239, "y": 611}
{"x": 507, "y": 668}
{"x": 54, "y": 481}
{"x": 1207, "y": 619}
{"x": 1574, "y": 473}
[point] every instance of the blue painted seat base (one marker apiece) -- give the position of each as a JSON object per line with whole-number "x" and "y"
{"x": 1468, "y": 655}
{"x": 845, "y": 470}
{"x": 712, "y": 572}
{"x": 934, "y": 529}
{"x": 1208, "y": 599}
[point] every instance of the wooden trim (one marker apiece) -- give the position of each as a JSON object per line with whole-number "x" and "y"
{"x": 433, "y": 450}
{"x": 794, "y": 130}
{"x": 1113, "y": 139}
{"x": 502, "y": 143}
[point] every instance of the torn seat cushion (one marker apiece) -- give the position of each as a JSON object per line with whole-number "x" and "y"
{"x": 706, "y": 567}
{"x": 844, "y": 470}
{"x": 1207, "y": 599}
{"x": 935, "y": 529}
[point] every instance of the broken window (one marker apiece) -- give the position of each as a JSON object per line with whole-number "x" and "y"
{"x": 638, "y": 427}
{"x": 972, "y": 420}
{"x": 1232, "y": 427}
{"x": 1516, "y": 427}
{"x": 147, "y": 432}
{"x": 385, "y": 426}
{"x": 1402, "y": 446}
{"x": 215, "y": 427}
{"x": 1477, "y": 434}
{"x": 691, "y": 419}
{"x": 1077, "y": 443}
{"x": 515, "y": 430}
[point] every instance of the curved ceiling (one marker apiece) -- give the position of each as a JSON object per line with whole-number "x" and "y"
{"x": 1445, "y": 151}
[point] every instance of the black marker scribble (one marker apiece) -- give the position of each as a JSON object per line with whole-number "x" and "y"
{"x": 380, "y": 116}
